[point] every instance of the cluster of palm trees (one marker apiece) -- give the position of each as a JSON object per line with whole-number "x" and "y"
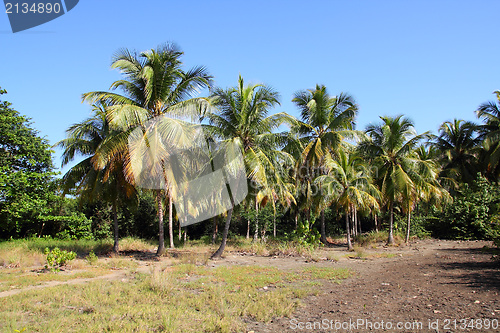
{"x": 319, "y": 162}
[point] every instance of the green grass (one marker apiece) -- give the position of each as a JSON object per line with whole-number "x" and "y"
{"x": 183, "y": 298}
{"x": 326, "y": 273}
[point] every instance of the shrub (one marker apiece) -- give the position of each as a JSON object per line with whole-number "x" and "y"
{"x": 91, "y": 258}
{"x": 474, "y": 213}
{"x": 57, "y": 258}
{"x": 305, "y": 234}
{"x": 76, "y": 226}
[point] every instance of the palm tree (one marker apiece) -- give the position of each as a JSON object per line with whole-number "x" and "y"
{"x": 489, "y": 112}
{"x": 241, "y": 120}
{"x": 458, "y": 144}
{"x": 348, "y": 185}
{"x": 107, "y": 184}
{"x": 391, "y": 147}
{"x": 325, "y": 124}
{"x": 424, "y": 176}
{"x": 154, "y": 85}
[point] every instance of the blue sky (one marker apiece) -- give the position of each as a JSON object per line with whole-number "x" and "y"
{"x": 430, "y": 60}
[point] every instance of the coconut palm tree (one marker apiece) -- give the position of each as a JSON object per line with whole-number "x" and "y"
{"x": 458, "y": 144}
{"x": 326, "y": 122}
{"x": 391, "y": 148}
{"x": 241, "y": 120}
{"x": 489, "y": 112}
{"x": 155, "y": 85}
{"x": 427, "y": 187}
{"x": 92, "y": 184}
{"x": 348, "y": 184}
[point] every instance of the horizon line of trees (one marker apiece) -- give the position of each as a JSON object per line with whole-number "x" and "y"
{"x": 318, "y": 173}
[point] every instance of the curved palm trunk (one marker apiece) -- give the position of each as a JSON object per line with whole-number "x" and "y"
{"x": 171, "y": 222}
{"x": 115, "y": 227}
{"x": 390, "y": 240}
{"x": 161, "y": 234}
{"x": 216, "y": 230}
{"x": 222, "y": 246}
{"x": 218, "y": 253}
{"x": 348, "y": 228}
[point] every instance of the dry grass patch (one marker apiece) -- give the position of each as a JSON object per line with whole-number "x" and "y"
{"x": 183, "y": 298}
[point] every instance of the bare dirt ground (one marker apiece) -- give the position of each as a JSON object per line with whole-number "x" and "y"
{"x": 428, "y": 286}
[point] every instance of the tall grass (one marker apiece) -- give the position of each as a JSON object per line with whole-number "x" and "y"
{"x": 372, "y": 238}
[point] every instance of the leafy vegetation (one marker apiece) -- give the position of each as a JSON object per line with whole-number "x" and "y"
{"x": 319, "y": 178}
{"x": 57, "y": 258}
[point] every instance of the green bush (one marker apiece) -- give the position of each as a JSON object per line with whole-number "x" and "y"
{"x": 57, "y": 258}
{"x": 76, "y": 226}
{"x": 474, "y": 213}
{"x": 91, "y": 258}
{"x": 305, "y": 234}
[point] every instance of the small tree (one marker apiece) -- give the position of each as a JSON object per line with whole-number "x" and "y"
{"x": 27, "y": 190}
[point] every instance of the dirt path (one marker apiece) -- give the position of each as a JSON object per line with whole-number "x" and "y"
{"x": 113, "y": 276}
{"x": 431, "y": 286}
{"x": 116, "y": 275}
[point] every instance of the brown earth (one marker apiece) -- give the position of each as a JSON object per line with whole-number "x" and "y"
{"x": 429, "y": 286}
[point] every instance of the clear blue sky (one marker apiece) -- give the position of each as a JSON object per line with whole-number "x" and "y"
{"x": 430, "y": 60}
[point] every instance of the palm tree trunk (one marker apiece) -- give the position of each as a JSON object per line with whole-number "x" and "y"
{"x": 115, "y": 227}
{"x": 180, "y": 231}
{"x": 353, "y": 227}
{"x": 296, "y": 218}
{"x": 248, "y": 228}
{"x": 222, "y": 246}
{"x": 408, "y": 227}
{"x": 263, "y": 233}
{"x": 161, "y": 235}
{"x": 216, "y": 230}
{"x": 376, "y": 223}
{"x": 256, "y": 233}
{"x": 274, "y": 225}
{"x": 358, "y": 222}
{"x": 218, "y": 253}
{"x": 348, "y": 228}
{"x": 323, "y": 229}
{"x": 171, "y": 222}
{"x": 390, "y": 240}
